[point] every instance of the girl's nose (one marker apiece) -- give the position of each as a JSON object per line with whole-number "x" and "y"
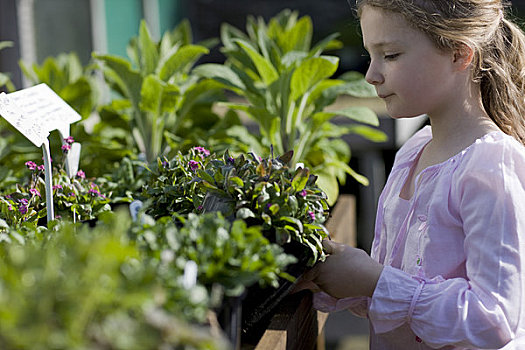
{"x": 373, "y": 75}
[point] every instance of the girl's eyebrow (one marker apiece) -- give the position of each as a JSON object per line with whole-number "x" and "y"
{"x": 382, "y": 44}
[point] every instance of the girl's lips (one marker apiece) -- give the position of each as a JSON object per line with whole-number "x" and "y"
{"x": 385, "y": 96}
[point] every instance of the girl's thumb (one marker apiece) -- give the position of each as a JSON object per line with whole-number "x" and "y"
{"x": 330, "y": 246}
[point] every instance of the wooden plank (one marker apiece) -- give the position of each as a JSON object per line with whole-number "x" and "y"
{"x": 296, "y": 325}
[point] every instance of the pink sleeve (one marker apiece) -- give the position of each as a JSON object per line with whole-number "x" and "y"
{"x": 485, "y": 309}
{"x": 326, "y": 303}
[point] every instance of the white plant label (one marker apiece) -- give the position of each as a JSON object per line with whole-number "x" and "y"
{"x": 44, "y": 106}
{"x": 189, "y": 279}
{"x": 31, "y": 128}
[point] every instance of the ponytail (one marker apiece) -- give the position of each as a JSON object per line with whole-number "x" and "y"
{"x": 502, "y": 79}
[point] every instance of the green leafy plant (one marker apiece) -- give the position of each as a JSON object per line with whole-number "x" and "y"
{"x": 171, "y": 186}
{"x": 288, "y": 87}
{"x": 286, "y": 203}
{"x": 161, "y": 98}
{"x": 84, "y": 288}
{"x": 231, "y": 256}
{"x": 78, "y": 198}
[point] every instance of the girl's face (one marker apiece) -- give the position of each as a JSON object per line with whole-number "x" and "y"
{"x": 409, "y": 72}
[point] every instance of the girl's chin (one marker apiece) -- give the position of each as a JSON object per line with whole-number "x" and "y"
{"x": 402, "y": 115}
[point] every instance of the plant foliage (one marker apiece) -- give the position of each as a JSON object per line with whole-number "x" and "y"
{"x": 288, "y": 85}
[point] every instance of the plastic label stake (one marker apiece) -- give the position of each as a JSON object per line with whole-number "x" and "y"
{"x": 48, "y": 180}
{"x": 46, "y": 107}
{"x": 36, "y": 133}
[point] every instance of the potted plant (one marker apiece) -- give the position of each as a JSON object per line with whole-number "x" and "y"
{"x": 287, "y": 86}
{"x": 263, "y": 192}
{"x": 77, "y": 287}
{"x": 166, "y": 106}
{"x": 76, "y": 198}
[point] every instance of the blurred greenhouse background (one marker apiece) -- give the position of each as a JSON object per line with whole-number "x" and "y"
{"x": 42, "y": 28}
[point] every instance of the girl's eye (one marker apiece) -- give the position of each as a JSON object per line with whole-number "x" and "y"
{"x": 391, "y": 56}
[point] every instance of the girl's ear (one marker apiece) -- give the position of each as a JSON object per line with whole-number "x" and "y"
{"x": 463, "y": 57}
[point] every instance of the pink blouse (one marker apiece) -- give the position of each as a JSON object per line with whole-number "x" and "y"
{"x": 454, "y": 254}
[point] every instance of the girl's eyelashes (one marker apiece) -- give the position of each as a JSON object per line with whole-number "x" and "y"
{"x": 391, "y": 56}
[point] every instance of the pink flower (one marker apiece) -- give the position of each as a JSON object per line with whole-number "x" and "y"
{"x": 312, "y": 215}
{"x": 302, "y": 193}
{"x": 202, "y": 150}
{"x": 23, "y": 210}
{"x": 31, "y": 165}
{"x": 57, "y": 187}
{"x": 34, "y": 192}
{"x": 69, "y": 140}
{"x": 66, "y": 147}
{"x": 81, "y": 174}
{"x": 94, "y": 192}
{"x": 41, "y": 167}
{"x": 193, "y": 165}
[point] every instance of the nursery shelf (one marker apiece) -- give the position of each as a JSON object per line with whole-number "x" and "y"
{"x": 296, "y": 325}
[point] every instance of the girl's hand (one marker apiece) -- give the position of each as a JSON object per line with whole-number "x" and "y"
{"x": 346, "y": 272}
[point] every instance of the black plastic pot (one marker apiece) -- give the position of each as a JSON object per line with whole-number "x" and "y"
{"x": 229, "y": 317}
{"x": 260, "y": 304}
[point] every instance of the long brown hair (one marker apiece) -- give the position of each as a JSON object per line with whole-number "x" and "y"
{"x": 498, "y": 44}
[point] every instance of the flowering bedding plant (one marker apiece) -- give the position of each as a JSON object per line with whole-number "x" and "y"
{"x": 76, "y": 199}
{"x": 285, "y": 202}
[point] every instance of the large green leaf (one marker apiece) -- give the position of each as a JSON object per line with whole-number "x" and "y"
{"x": 360, "y": 114}
{"x": 221, "y": 73}
{"x": 298, "y": 37}
{"x": 310, "y": 72}
{"x": 149, "y": 55}
{"x": 181, "y": 61}
{"x": 266, "y": 70}
{"x": 131, "y": 79}
{"x": 151, "y": 93}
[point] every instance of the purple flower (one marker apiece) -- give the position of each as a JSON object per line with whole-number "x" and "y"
{"x": 165, "y": 164}
{"x": 231, "y": 160}
{"x": 8, "y": 196}
{"x": 34, "y": 192}
{"x": 57, "y": 187}
{"x": 10, "y": 207}
{"x": 193, "y": 165}
{"x": 94, "y": 192}
{"x": 302, "y": 193}
{"x": 71, "y": 194}
{"x": 66, "y": 147}
{"x": 268, "y": 205}
{"x": 69, "y": 140}
{"x": 312, "y": 215}
{"x": 23, "y": 209}
{"x": 202, "y": 150}
{"x": 41, "y": 167}
{"x": 199, "y": 208}
{"x": 81, "y": 174}
{"x": 24, "y": 201}
{"x": 31, "y": 165}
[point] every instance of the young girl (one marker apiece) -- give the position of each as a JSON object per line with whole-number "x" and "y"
{"x": 447, "y": 266}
